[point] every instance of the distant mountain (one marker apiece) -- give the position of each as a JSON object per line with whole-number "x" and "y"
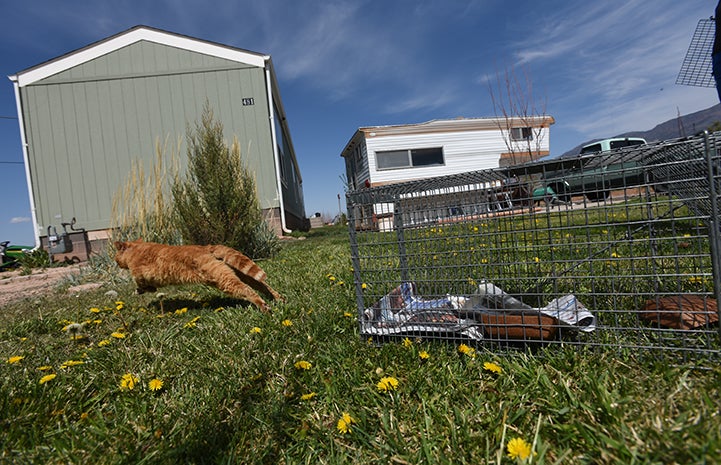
{"x": 689, "y": 125}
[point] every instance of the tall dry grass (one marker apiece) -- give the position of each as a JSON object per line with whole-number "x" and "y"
{"x": 143, "y": 206}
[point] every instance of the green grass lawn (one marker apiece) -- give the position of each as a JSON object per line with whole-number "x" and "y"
{"x": 234, "y": 385}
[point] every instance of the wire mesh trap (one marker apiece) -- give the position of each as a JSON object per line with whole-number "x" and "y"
{"x": 616, "y": 249}
{"x": 696, "y": 67}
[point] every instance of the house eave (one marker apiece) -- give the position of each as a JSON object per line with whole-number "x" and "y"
{"x": 131, "y": 36}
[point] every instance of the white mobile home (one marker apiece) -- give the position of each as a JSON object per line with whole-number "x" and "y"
{"x": 381, "y": 155}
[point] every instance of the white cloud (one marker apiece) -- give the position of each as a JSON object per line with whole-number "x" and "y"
{"x": 19, "y": 219}
{"x": 612, "y": 65}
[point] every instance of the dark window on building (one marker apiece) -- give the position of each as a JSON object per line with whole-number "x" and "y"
{"x": 411, "y": 158}
{"x": 521, "y": 133}
{"x": 427, "y": 157}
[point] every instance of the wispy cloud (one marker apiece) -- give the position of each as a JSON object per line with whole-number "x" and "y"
{"x": 618, "y": 60}
{"x": 19, "y": 219}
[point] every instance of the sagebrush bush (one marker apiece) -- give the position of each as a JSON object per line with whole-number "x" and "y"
{"x": 216, "y": 202}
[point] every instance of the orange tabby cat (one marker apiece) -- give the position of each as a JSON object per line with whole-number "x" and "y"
{"x": 157, "y": 265}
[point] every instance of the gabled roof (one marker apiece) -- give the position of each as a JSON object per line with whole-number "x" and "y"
{"x": 131, "y": 36}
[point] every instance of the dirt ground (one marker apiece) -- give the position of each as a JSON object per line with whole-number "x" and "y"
{"x": 14, "y": 286}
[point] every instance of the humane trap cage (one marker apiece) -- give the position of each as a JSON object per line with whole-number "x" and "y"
{"x": 617, "y": 249}
{"x": 696, "y": 69}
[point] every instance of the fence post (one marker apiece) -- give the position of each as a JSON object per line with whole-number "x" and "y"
{"x": 355, "y": 259}
{"x": 402, "y": 254}
{"x": 714, "y": 231}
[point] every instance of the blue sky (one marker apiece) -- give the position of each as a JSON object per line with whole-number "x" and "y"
{"x": 599, "y": 68}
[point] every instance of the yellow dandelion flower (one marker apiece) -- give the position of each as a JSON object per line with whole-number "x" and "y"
{"x": 492, "y": 367}
{"x": 119, "y": 305}
{"x": 47, "y": 378}
{"x": 308, "y": 396}
{"x": 364, "y": 286}
{"x": 287, "y": 323}
{"x": 180, "y": 311}
{"x": 219, "y": 309}
{"x": 255, "y": 330}
{"x": 466, "y": 350}
{"x": 518, "y": 448}
{"x": 15, "y": 359}
{"x": 348, "y": 314}
{"x": 331, "y": 278}
{"x": 128, "y": 381}
{"x": 95, "y": 310}
{"x": 407, "y": 342}
{"x": 536, "y": 259}
{"x": 104, "y": 343}
{"x": 45, "y": 368}
{"x": 344, "y": 423}
{"x": 192, "y": 323}
{"x": 84, "y": 415}
{"x": 614, "y": 255}
{"x": 695, "y": 279}
{"x": 155, "y": 384}
{"x": 424, "y": 355}
{"x": 71, "y": 363}
{"x": 387, "y": 383}
{"x": 118, "y": 335}
{"x": 303, "y": 365}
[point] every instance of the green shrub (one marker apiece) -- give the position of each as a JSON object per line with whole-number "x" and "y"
{"x": 216, "y": 202}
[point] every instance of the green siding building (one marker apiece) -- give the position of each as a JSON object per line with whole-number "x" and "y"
{"x": 87, "y": 116}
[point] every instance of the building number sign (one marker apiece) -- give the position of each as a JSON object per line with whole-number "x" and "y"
{"x": 248, "y": 101}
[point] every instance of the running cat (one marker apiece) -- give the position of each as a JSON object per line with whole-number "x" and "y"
{"x": 155, "y": 265}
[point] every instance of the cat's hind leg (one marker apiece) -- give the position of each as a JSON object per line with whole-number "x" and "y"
{"x": 223, "y": 277}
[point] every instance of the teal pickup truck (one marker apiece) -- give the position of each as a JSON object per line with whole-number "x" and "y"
{"x": 595, "y": 181}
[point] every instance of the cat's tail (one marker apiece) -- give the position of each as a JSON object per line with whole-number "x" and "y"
{"x": 245, "y": 268}
{"x": 238, "y": 261}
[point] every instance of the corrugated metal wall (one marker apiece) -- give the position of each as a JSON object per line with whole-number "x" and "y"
{"x": 86, "y": 125}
